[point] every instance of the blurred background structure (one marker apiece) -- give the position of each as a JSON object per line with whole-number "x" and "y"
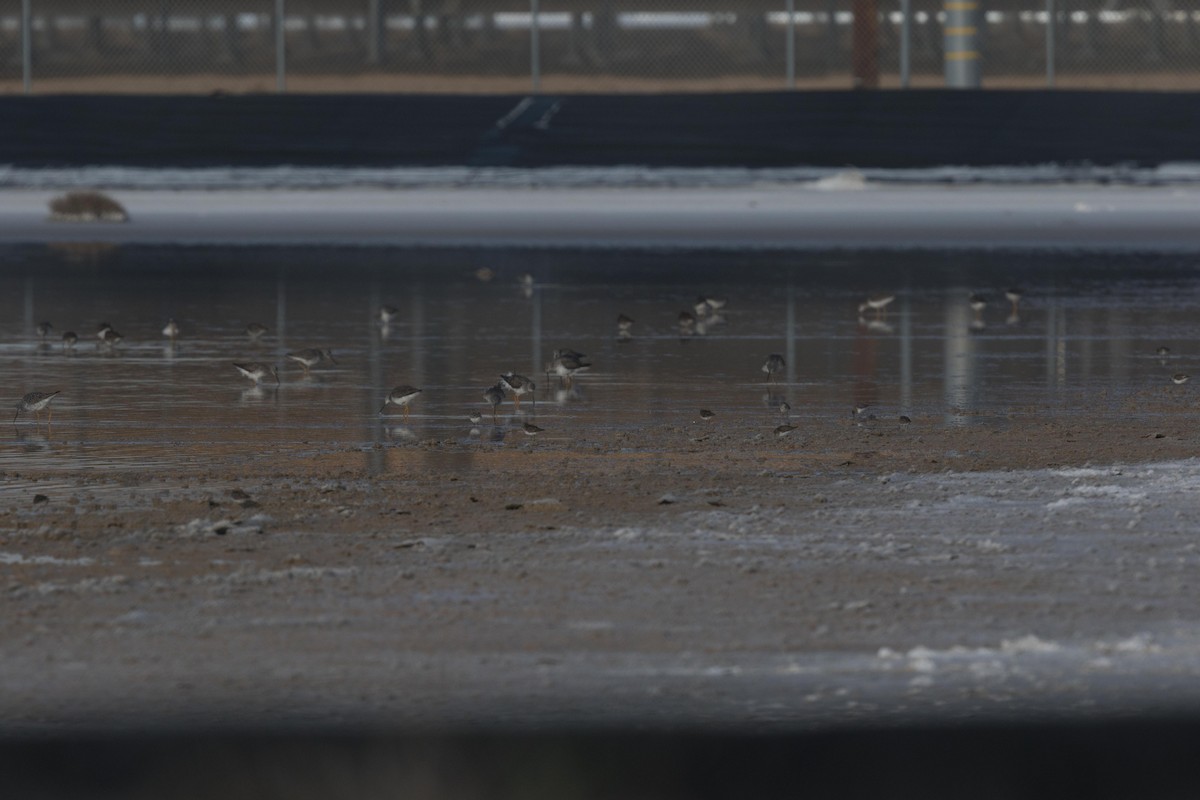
{"x": 487, "y": 46}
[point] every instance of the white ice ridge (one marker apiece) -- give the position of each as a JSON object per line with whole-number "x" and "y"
{"x": 334, "y": 177}
{"x": 17, "y": 558}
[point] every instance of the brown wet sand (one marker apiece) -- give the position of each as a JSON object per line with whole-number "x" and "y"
{"x": 684, "y": 574}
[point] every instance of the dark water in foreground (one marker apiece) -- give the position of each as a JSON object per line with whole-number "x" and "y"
{"x": 1086, "y": 332}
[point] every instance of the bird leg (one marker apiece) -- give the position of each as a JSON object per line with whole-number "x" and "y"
{"x": 406, "y": 413}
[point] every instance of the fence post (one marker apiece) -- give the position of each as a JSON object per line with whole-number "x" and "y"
{"x": 27, "y": 45}
{"x": 1051, "y": 32}
{"x": 280, "y": 53}
{"x": 375, "y": 32}
{"x": 535, "y": 55}
{"x": 905, "y": 43}
{"x": 791, "y": 44}
{"x": 961, "y": 36}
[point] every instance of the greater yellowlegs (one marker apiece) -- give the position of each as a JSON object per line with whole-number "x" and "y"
{"x": 171, "y": 329}
{"x": 495, "y": 396}
{"x": 257, "y": 372}
{"x": 255, "y": 331}
{"x": 311, "y": 357}
{"x": 773, "y": 364}
{"x": 35, "y": 402}
{"x": 401, "y": 396}
{"x": 518, "y": 385}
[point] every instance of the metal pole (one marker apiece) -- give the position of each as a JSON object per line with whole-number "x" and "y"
{"x": 535, "y": 56}
{"x": 280, "y": 54}
{"x": 905, "y": 43}
{"x": 791, "y": 44}
{"x": 961, "y": 37}
{"x": 1051, "y": 13}
{"x": 374, "y": 32}
{"x": 27, "y": 45}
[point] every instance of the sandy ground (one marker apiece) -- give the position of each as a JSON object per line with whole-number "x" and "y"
{"x": 699, "y": 575}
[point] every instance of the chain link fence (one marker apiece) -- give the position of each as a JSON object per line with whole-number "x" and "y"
{"x": 585, "y": 45}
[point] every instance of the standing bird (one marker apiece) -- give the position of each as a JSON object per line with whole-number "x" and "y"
{"x": 110, "y": 338}
{"x": 518, "y": 385}
{"x": 311, "y": 357}
{"x": 1014, "y": 296}
{"x": 566, "y": 363}
{"x": 624, "y": 327}
{"x": 387, "y": 314}
{"x": 531, "y": 429}
{"x": 255, "y": 331}
{"x": 784, "y": 430}
{"x": 171, "y": 331}
{"x": 401, "y": 396}
{"x": 773, "y": 364}
{"x": 495, "y": 396}
{"x": 785, "y": 409}
{"x": 257, "y": 372}
{"x": 69, "y": 340}
{"x": 43, "y": 329}
{"x": 101, "y": 329}
{"x": 35, "y": 402}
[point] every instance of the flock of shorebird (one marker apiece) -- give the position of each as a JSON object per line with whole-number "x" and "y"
{"x": 565, "y": 364}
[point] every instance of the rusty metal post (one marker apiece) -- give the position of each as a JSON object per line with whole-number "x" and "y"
{"x": 865, "y": 53}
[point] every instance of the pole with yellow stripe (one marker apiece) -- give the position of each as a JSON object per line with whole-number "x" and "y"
{"x": 961, "y": 43}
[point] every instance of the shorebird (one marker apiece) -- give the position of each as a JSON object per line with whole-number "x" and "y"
{"x": 526, "y": 281}
{"x": 255, "y": 331}
{"x": 518, "y": 385}
{"x": 784, "y": 430}
{"x": 877, "y": 303}
{"x": 785, "y": 409}
{"x": 1014, "y": 296}
{"x": 624, "y": 326}
{"x": 495, "y": 396}
{"x": 171, "y": 330}
{"x": 531, "y": 429}
{"x": 978, "y": 303}
{"x": 715, "y": 303}
{"x": 706, "y": 415}
{"x": 401, "y": 396}
{"x": 1180, "y": 377}
{"x": 35, "y": 402}
{"x": 69, "y": 339}
{"x": 859, "y": 410}
{"x": 43, "y": 329}
{"x": 101, "y": 329}
{"x": 257, "y": 372}
{"x": 567, "y": 363}
{"x": 701, "y": 306}
{"x": 311, "y": 357}
{"x": 475, "y": 418}
{"x": 387, "y": 314}
{"x": 109, "y": 338}
{"x": 687, "y": 322}
{"x": 773, "y": 364}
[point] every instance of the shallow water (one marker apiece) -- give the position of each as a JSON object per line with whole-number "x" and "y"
{"x": 1083, "y": 343}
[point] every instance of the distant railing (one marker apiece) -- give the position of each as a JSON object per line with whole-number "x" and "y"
{"x": 593, "y": 45}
